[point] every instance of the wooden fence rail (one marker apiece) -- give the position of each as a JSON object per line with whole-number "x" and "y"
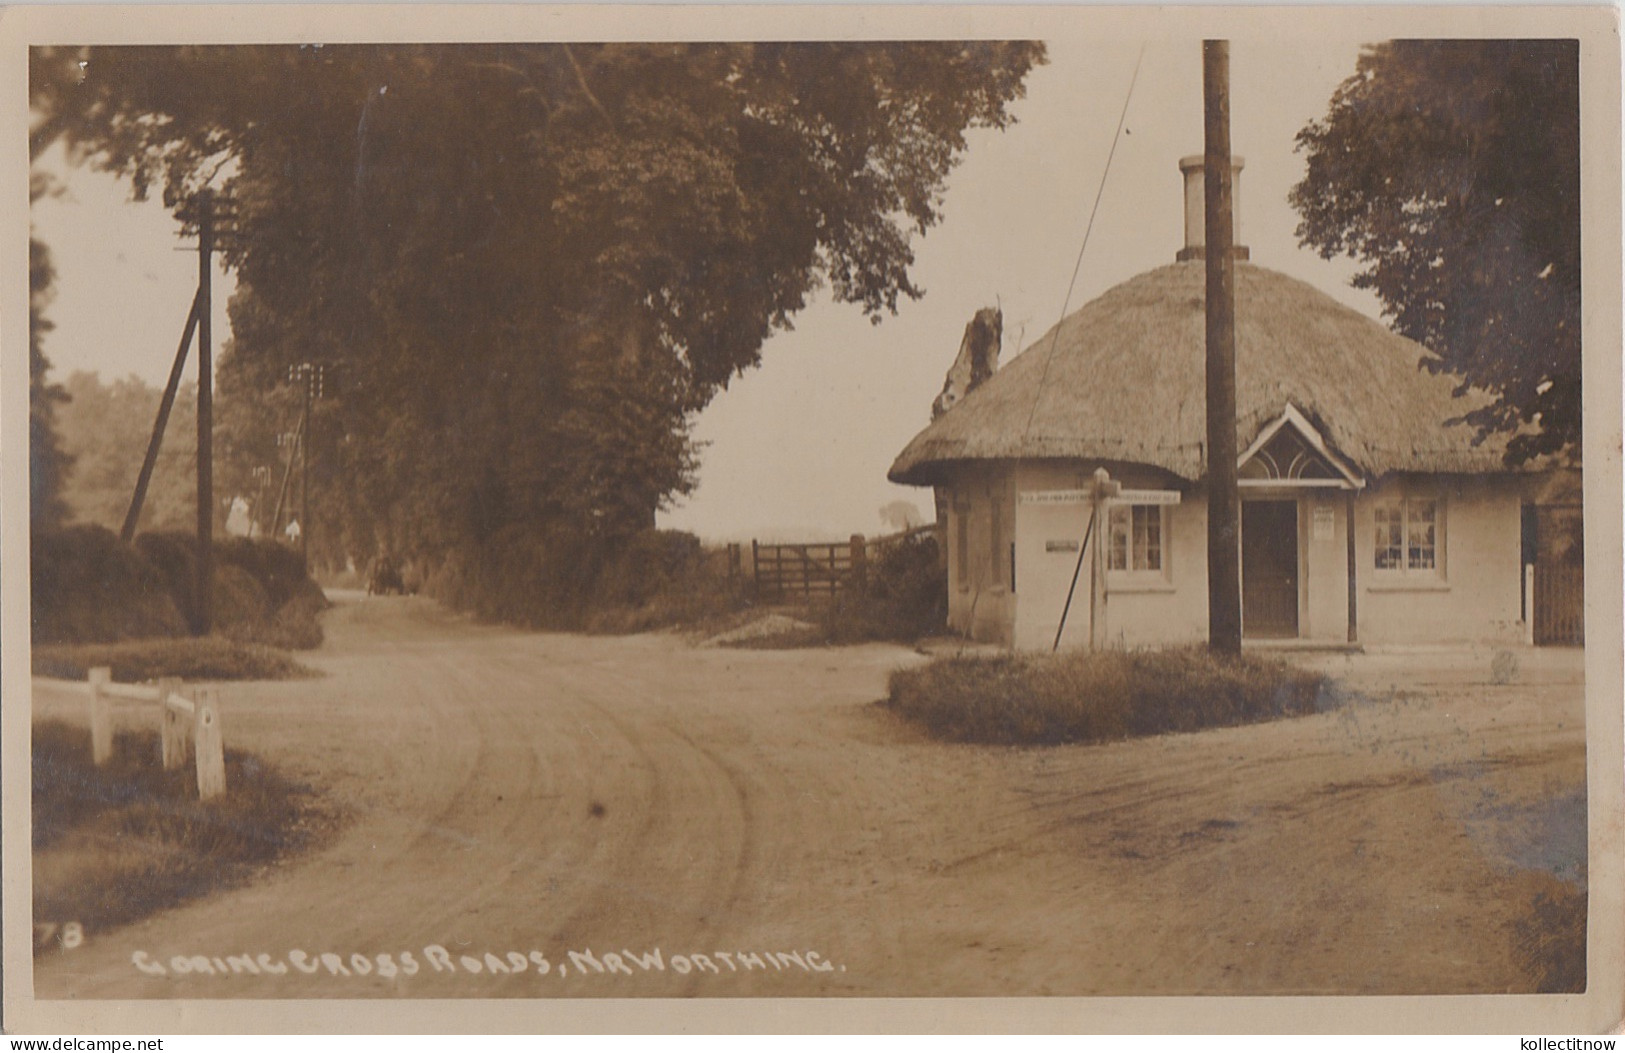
{"x": 820, "y": 568}
{"x": 183, "y": 724}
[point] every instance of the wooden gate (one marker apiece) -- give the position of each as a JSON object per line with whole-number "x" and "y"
{"x": 1559, "y": 606}
{"x": 804, "y": 570}
{"x": 821, "y": 569}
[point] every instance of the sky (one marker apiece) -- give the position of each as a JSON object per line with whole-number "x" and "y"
{"x": 798, "y": 449}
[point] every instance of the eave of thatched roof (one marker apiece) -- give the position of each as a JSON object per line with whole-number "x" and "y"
{"x": 1126, "y": 382}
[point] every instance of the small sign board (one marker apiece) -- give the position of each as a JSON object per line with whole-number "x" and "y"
{"x": 1064, "y": 545}
{"x": 1054, "y": 497}
{"x": 1146, "y": 497}
{"x": 1324, "y": 525}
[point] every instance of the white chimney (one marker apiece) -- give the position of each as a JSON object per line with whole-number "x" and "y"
{"x": 1196, "y": 209}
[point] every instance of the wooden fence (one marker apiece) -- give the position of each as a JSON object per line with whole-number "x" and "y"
{"x": 183, "y": 724}
{"x": 1559, "y": 603}
{"x": 820, "y": 569}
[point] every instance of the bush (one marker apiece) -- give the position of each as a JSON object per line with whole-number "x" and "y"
{"x": 90, "y": 587}
{"x": 171, "y": 553}
{"x": 237, "y": 599}
{"x": 278, "y": 569}
{"x": 647, "y": 565}
{"x": 904, "y": 598}
{"x": 1098, "y": 696}
{"x": 190, "y": 658}
{"x": 550, "y": 577}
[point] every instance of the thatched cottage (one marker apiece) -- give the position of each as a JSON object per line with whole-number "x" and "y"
{"x": 1366, "y": 514}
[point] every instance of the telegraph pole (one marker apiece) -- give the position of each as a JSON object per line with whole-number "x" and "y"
{"x": 205, "y": 413}
{"x": 312, "y": 374}
{"x": 304, "y": 480}
{"x": 1223, "y": 505}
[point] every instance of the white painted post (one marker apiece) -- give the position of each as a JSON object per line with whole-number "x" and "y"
{"x": 1102, "y": 491}
{"x": 1529, "y": 604}
{"x": 208, "y": 745}
{"x": 172, "y": 729}
{"x": 101, "y": 717}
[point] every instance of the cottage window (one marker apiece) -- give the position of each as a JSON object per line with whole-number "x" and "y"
{"x": 1134, "y": 538}
{"x": 1408, "y": 536}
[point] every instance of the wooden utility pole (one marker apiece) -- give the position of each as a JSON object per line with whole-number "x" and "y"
{"x": 294, "y": 438}
{"x": 1223, "y": 505}
{"x": 304, "y": 478}
{"x": 205, "y": 413}
{"x": 311, "y": 375}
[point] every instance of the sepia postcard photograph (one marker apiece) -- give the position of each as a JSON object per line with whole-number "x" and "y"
{"x": 797, "y": 518}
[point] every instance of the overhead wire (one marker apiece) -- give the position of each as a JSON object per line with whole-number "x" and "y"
{"x": 1100, "y": 191}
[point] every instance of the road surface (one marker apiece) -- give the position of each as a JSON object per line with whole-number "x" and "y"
{"x": 650, "y": 818}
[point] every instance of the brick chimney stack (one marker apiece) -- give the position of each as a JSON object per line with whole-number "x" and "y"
{"x": 1195, "y": 217}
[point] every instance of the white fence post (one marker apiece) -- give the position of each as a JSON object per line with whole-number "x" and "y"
{"x": 101, "y": 719}
{"x": 172, "y": 725}
{"x": 208, "y": 745}
{"x": 1529, "y": 604}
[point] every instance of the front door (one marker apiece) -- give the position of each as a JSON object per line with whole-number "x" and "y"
{"x": 1269, "y": 568}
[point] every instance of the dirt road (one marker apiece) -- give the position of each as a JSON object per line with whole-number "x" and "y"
{"x": 515, "y": 792}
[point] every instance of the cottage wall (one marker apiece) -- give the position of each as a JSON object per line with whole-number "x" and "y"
{"x": 1477, "y": 594}
{"x": 981, "y": 525}
{"x": 1323, "y": 567}
{"x": 1140, "y": 610}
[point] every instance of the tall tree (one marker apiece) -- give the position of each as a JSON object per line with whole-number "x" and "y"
{"x": 1452, "y": 169}
{"x": 47, "y": 462}
{"x": 530, "y": 265}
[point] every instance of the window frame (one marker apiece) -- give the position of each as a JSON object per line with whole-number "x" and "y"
{"x": 1404, "y": 571}
{"x": 1129, "y": 573}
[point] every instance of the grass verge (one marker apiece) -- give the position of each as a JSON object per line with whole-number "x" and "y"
{"x": 116, "y": 843}
{"x": 1098, "y": 696}
{"x": 197, "y": 658}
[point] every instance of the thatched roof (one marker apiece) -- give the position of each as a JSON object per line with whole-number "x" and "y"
{"x": 1126, "y": 383}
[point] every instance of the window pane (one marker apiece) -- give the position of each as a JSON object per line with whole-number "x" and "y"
{"x": 1421, "y": 549}
{"x": 1117, "y": 551}
{"x": 1390, "y": 539}
{"x": 1153, "y": 536}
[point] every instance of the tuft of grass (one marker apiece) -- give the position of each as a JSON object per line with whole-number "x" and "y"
{"x": 692, "y": 609}
{"x": 1098, "y": 696}
{"x": 795, "y": 639}
{"x": 115, "y": 843}
{"x": 190, "y": 658}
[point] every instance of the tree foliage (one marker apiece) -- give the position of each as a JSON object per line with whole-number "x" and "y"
{"x": 104, "y": 426}
{"x": 1452, "y": 169}
{"x": 47, "y": 462}
{"x": 529, "y": 266}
